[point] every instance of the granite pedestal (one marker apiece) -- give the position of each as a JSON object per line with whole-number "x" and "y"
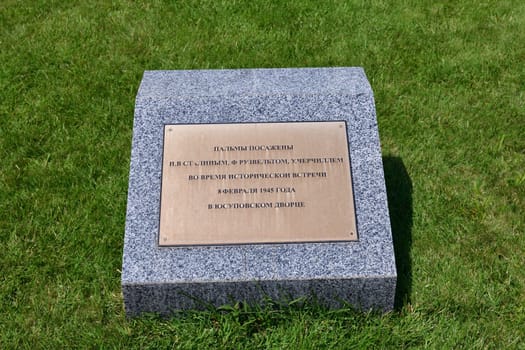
{"x": 166, "y": 279}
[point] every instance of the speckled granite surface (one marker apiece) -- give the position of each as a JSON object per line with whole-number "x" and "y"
{"x": 163, "y": 279}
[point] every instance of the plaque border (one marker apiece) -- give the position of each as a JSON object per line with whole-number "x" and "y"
{"x": 356, "y": 240}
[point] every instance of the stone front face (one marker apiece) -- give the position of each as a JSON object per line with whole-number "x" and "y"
{"x": 308, "y": 252}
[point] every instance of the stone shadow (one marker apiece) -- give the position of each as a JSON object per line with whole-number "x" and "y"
{"x": 399, "y": 192}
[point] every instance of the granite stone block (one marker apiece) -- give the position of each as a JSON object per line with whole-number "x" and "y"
{"x": 166, "y": 279}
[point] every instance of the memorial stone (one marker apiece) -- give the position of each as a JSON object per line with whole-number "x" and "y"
{"x": 256, "y": 183}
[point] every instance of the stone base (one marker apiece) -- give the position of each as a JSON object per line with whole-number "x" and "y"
{"x": 166, "y": 279}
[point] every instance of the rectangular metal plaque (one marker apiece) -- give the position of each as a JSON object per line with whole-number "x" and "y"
{"x": 256, "y": 183}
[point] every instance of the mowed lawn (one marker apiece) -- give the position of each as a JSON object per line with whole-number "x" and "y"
{"x": 449, "y": 84}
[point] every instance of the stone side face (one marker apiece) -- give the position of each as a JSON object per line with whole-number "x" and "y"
{"x": 165, "y": 279}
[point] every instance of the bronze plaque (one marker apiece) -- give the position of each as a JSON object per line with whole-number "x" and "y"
{"x": 256, "y": 183}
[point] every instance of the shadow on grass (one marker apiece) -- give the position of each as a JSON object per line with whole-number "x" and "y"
{"x": 399, "y": 192}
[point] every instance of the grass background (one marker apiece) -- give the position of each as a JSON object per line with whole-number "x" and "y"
{"x": 448, "y": 78}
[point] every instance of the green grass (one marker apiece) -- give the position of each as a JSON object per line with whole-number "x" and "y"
{"x": 448, "y": 78}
